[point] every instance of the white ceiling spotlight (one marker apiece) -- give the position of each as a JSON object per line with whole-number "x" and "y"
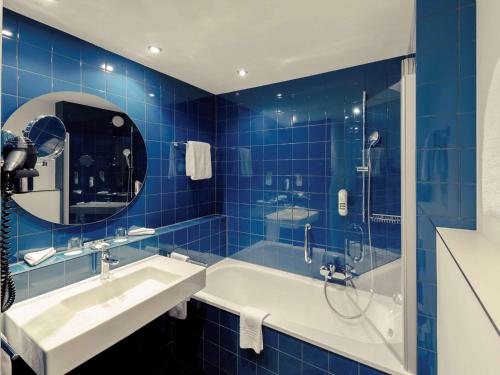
{"x": 7, "y": 33}
{"x": 154, "y": 50}
{"x": 242, "y": 72}
{"x": 108, "y": 68}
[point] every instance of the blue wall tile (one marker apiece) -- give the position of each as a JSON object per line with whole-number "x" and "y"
{"x": 299, "y": 153}
{"x": 446, "y": 127}
{"x": 34, "y": 59}
{"x": 290, "y": 356}
{"x": 45, "y": 279}
{"x": 42, "y": 60}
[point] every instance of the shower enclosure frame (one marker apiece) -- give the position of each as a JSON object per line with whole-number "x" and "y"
{"x": 409, "y": 212}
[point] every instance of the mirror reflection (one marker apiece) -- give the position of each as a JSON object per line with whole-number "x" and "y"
{"x": 48, "y": 134}
{"x": 92, "y": 158}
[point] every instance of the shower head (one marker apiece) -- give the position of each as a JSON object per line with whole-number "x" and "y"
{"x": 373, "y": 139}
{"x": 126, "y": 153}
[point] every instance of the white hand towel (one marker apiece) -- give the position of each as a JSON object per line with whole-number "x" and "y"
{"x": 245, "y": 161}
{"x": 38, "y": 257}
{"x": 178, "y": 256}
{"x": 180, "y": 310}
{"x": 198, "y": 160}
{"x": 140, "y": 231}
{"x": 251, "y": 328}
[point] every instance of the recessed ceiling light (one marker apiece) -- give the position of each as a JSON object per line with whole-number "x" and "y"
{"x": 7, "y": 32}
{"x": 108, "y": 68}
{"x": 356, "y": 110}
{"x": 242, "y": 72}
{"x": 154, "y": 50}
{"x": 151, "y": 95}
{"x": 279, "y": 95}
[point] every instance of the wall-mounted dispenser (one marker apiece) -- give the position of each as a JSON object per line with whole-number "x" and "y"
{"x": 343, "y": 202}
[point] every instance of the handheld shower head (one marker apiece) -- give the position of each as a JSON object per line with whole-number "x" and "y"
{"x": 373, "y": 139}
{"x": 126, "y": 153}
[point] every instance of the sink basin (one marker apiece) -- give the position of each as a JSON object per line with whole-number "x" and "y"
{"x": 59, "y": 330}
{"x": 293, "y": 215}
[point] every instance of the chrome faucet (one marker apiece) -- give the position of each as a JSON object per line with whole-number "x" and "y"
{"x": 106, "y": 261}
{"x": 330, "y": 272}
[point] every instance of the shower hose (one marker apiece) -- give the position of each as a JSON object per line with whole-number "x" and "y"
{"x": 8, "y": 287}
{"x": 355, "y": 302}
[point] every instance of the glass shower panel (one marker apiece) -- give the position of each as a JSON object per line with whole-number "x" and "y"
{"x": 373, "y": 238}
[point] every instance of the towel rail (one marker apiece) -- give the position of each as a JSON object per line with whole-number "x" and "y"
{"x": 183, "y": 143}
{"x": 177, "y": 144}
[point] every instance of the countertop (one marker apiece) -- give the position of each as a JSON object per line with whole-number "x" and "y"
{"x": 479, "y": 261}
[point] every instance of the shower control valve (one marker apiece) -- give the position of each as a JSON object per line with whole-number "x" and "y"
{"x": 327, "y": 270}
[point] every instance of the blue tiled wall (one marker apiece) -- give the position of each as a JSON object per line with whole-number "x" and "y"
{"x": 203, "y": 239}
{"x": 296, "y": 143}
{"x": 446, "y": 144}
{"x": 38, "y": 60}
{"x": 211, "y": 337}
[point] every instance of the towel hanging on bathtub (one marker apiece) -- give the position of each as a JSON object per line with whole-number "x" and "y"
{"x": 198, "y": 160}
{"x": 251, "y": 328}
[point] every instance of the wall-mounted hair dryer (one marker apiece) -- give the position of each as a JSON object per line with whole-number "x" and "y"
{"x": 19, "y": 156}
{"x": 19, "y": 161}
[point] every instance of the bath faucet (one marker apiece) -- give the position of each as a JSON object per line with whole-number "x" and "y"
{"x": 106, "y": 261}
{"x": 330, "y": 272}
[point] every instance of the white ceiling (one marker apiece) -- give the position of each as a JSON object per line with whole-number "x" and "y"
{"x": 205, "y": 41}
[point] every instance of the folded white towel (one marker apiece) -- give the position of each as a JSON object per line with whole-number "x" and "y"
{"x": 178, "y": 256}
{"x": 198, "y": 160}
{"x": 251, "y": 328}
{"x": 140, "y": 231}
{"x": 37, "y": 257}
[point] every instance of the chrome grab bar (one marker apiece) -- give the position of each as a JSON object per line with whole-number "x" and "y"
{"x": 307, "y": 258}
{"x": 9, "y": 350}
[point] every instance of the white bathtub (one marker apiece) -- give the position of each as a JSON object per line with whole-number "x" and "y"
{"x": 298, "y": 308}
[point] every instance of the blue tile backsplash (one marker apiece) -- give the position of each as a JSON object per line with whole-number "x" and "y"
{"x": 446, "y": 146}
{"x": 202, "y": 239}
{"x": 38, "y": 60}
{"x": 287, "y": 148}
{"x": 215, "y": 335}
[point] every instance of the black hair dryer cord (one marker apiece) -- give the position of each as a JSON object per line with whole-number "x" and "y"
{"x": 8, "y": 287}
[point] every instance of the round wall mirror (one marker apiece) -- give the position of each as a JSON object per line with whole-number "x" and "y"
{"x": 90, "y": 167}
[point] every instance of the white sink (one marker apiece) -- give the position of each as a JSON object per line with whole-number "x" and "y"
{"x": 59, "y": 330}
{"x": 293, "y": 214}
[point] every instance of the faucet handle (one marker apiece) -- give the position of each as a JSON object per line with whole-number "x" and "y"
{"x": 327, "y": 270}
{"x": 106, "y": 257}
{"x": 112, "y": 261}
